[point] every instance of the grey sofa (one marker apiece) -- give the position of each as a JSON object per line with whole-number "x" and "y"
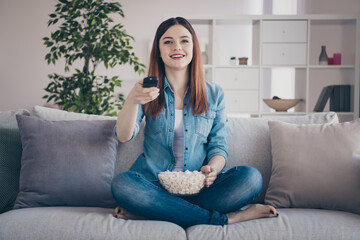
{"x": 249, "y": 144}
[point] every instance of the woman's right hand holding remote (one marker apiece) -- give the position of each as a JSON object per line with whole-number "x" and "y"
{"x": 140, "y": 95}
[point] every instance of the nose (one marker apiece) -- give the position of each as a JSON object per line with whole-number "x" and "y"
{"x": 177, "y": 46}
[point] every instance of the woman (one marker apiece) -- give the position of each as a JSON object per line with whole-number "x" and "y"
{"x": 186, "y": 129}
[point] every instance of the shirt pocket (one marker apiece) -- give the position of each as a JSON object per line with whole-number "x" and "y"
{"x": 204, "y": 123}
{"x": 155, "y": 126}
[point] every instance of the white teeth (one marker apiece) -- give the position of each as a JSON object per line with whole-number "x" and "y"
{"x": 177, "y": 56}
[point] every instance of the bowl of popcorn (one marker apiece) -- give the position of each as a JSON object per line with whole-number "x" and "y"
{"x": 182, "y": 183}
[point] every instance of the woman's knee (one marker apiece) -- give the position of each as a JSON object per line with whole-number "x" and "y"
{"x": 123, "y": 182}
{"x": 252, "y": 176}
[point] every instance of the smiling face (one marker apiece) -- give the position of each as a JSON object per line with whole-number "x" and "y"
{"x": 176, "y": 48}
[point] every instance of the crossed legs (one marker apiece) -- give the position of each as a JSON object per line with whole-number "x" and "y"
{"x": 219, "y": 204}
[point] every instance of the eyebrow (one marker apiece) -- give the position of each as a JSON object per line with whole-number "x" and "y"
{"x": 173, "y": 38}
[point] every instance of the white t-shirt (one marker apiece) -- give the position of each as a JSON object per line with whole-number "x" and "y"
{"x": 178, "y": 144}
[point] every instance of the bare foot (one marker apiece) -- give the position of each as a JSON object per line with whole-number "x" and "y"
{"x": 253, "y": 212}
{"x": 120, "y": 212}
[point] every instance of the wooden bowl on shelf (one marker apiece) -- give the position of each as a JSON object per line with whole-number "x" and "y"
{"x": 281, "y": 105}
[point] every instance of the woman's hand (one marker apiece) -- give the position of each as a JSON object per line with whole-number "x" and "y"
{"x": 140, "y": 95}
{"x": 210, "y": 175}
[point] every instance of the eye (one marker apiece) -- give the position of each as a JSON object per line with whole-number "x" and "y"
{"x": 167, "y": 42}
{"x": 185, "y": 41}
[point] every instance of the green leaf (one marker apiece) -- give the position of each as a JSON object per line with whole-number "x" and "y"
{"x": 117, "y": 83}
{"x": 50, "y": 98}
{"x": 63, "y": 1}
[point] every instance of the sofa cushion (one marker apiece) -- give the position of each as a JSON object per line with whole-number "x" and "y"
{"x": 66, "y": 163}
{"x": 315, "y": 166}
{"x": 249, "y": 141}
{"x": 8, "y": 118}
{"x": 81, "y": 223}
{"x": 10, "y": 156}
{"x": 294, "y": 224}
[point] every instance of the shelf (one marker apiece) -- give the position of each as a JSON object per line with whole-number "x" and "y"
{"x": 244, "y": 36}
{"x": 345, "y": 113}
{"x": 339, "y": 113}
{"x": 207, "y": 66}
{"x": 284, "y": 66}
{"x": 331, "y": 66}
{"x": 282, "y": 113}
{"x": 237, "y": 66}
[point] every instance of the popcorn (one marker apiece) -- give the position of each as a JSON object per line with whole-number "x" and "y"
{"x": 182, "y": 182}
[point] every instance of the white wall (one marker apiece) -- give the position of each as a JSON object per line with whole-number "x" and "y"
{"x": 23, "y": 70}
{"x": 329, "y": 6}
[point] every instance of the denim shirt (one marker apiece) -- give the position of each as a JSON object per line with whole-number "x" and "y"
{"x": 204, "y": 135}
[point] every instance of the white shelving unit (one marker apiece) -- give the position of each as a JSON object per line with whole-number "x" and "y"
{"x": 272, "y": 41}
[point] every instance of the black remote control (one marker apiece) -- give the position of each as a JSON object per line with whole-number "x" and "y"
{"x": 150, "y": 82}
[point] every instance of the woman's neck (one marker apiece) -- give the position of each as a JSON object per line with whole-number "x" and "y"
{"x": 178, "y": 80}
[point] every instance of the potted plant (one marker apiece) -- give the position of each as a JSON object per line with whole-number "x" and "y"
{"x": 232, "y": 60}
{"x": 86, "y": 32}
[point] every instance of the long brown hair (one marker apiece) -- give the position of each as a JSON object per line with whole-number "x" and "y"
{"x": 197, "y": 100}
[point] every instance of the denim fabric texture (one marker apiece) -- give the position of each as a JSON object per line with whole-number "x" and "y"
{"x": 231, "y": 191}
{"x": 204, "y": 136}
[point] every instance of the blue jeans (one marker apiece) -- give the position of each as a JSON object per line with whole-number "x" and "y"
{"x": 231, "y": 191}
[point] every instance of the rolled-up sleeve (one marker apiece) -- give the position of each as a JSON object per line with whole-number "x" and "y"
{"x": 139, "y": 117}
{"x": 217, "y": 143}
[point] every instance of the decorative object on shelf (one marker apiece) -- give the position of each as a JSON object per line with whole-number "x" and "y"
{"x": 233, "y": 61}
{"x": 337, "y": 58}
{"x": 339, "y": 98}
{"x": 281, "y": 105}
{"x": 330, "y": 61}
{"x": 243, "y": 60}
{"x": 204, "y": 56}
{"x": 323, "y": 58}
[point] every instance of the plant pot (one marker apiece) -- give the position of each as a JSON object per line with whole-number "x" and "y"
{"x": 243, "y": 60}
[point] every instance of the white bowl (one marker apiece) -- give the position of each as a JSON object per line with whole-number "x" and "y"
{"x": 281, "y": 105}
{"x": 182, "y": 183}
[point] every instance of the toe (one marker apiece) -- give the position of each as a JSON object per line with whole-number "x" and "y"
{"x": 116, "y": 210}
{"x": 272, "y": 211}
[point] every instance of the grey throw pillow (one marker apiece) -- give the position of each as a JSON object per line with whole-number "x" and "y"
{"x": 315, "y": 166}
{"x": 66, "y": 163}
